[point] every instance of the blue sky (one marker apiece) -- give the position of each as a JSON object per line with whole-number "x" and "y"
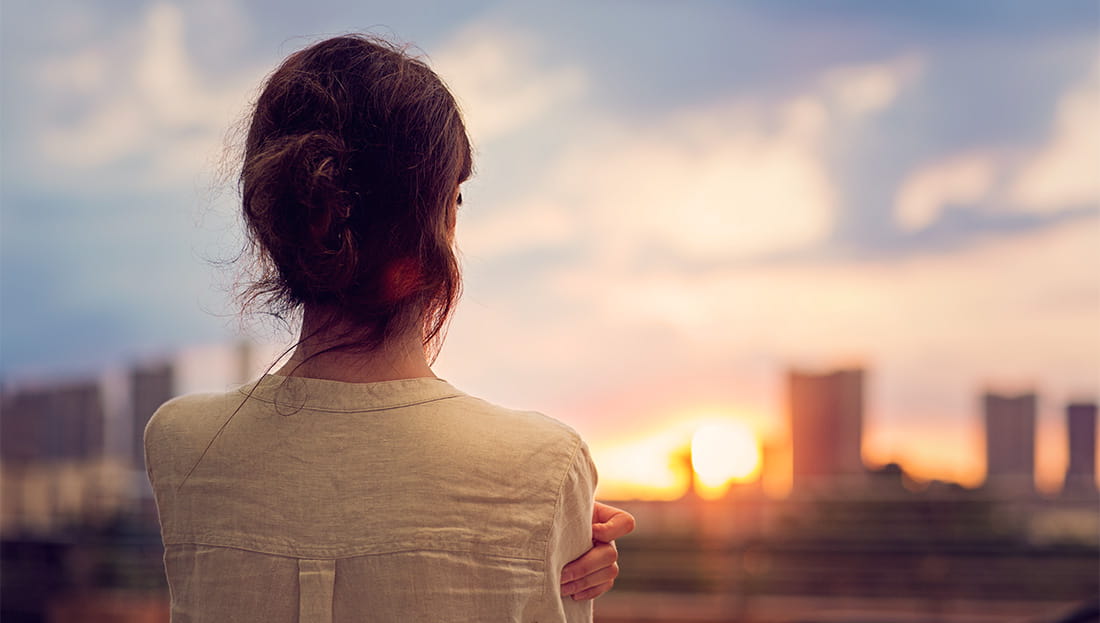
{"x": 674, "y": 201}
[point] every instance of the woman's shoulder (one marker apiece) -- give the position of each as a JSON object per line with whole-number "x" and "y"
{"x": 180, "y": 426}
{"x": 190, "y": 411}
{"x": 516, "y": 439}
{"x": 535, "y": 421}
{"x": 515, "y": 425}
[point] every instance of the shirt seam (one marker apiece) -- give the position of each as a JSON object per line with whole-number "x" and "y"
{"x": 369, "y": 410}
{"x": 554, "y": 519}
{"x": 231, "y": 544}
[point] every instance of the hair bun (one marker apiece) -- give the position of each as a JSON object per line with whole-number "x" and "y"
{"x": 303, "y": 199}
{"x": 353, "y": 154}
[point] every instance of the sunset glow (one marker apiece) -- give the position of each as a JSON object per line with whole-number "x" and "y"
{"x": 653, "y": 463}
{"x": 724, "y": 453}
{"x": 712, "y": 447}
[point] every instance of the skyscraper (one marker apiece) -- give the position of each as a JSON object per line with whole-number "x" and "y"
{"x": 52, "y": 443}
{"x": 1010, "y": 442}
{"x": 1081, "y": 434}
{"x": 53, "y": 424}
{"x": 150, "y": 386}
{"x": 826, "y": 429}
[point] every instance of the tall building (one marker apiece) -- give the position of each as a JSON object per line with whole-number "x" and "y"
{"x": 1010, "y": 442}
{"x": 1081, "y": 434}
{"x": 54, "y": 424}
{"x": 52, "y": 448}
{"x": 826, "y": 430}
{"x": 150, "y": 387}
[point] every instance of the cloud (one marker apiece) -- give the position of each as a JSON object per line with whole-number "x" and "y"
{"x": 492, "y": 72}
{"x": 715, "y": 183}
{"x": 729, "y": 181}
{"x": 1064, "y": 171}
{"x": 1059, "y": 174}
{"x": 722, "y": 180}
{"x": 965, "y": 179}
{"x": 145, "y": 116}
{"x": 865, "y": 89}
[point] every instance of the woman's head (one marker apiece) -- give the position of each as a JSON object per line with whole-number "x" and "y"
{"x": 352, "y": 161}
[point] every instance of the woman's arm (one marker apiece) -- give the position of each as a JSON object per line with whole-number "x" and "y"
{"x": 594, "y": 573}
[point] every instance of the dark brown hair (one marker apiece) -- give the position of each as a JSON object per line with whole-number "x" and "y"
{"x": 353, "y": 154}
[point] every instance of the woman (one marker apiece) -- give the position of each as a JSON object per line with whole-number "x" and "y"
{"x": 353, "y": 484}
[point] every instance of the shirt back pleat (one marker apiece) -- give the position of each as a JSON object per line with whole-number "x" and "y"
{"x": 316, "y": 579}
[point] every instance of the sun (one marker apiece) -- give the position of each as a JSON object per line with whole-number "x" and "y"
{"x": 724, "y": 452}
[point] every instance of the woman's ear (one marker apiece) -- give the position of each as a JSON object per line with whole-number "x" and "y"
{"x": 455, "y": 204}
{"x": 452, "y": 212}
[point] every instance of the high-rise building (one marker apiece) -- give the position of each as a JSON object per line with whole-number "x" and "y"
{"x": 1010, "y": 442}
{"x": 150, "y": 387}
{"x": 1081, "y": 435}
{"x": 826, "y": 413}
{"x": 52, "y": 449}
{"x": 53, "y": 424}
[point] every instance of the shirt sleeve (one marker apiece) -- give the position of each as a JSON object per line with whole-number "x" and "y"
{"x": 570, "y": 536}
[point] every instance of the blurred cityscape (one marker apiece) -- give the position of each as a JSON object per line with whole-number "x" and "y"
{"x": 849, "y": 544}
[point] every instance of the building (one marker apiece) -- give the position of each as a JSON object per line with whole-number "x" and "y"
{"x": 1010, "y": 442}
{"x": 53, "y": 424}
{"x": 826, "y": 416}
{"x": 150, "y": 387}
{"x": 1081, "y": 436}
{"x": 54, "y": 465}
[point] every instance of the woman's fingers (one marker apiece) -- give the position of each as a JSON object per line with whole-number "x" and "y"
{"x": 594, "y": 592}
{"x": 592, "y": 585}
{"x": 601, "y": 556}
{"x": 594, "y": 573}
{"x": 610, "y": 523}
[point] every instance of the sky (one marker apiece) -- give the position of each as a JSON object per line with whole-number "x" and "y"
{"x": 674, "y": 204}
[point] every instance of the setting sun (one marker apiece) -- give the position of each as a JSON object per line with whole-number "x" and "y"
{"x": 724, "y": 452}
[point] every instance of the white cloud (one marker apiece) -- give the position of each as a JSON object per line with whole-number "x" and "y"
{"x": 740, "y": 178}
{"x": 146, "y": 116}
{"x": 709, "y": 184}
{"x": 959, "y": 180}
{"x": 1066, "y": 170}
{"x": 1061, "y": 173}
{"x": 865, "y": 89}
{"x": 727, "y": 181}
{"x": 492, "y": 73}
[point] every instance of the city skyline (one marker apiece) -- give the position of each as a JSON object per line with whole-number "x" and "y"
{"x": 822, "y": 453}
{"x": 848, "y": 537}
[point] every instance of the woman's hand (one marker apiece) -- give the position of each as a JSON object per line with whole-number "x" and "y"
{"x": 592, "y": 574}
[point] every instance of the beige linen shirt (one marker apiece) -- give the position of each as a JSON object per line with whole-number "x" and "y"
{"x": 397, "y": 501}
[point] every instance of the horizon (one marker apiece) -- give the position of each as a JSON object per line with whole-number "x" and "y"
{"x": 647, "y": 464}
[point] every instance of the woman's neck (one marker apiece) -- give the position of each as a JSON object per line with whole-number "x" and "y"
{"x": 317, "y": 356}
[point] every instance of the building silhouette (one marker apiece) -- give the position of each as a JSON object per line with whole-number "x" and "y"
{"x": 52, "y": 424}
{"x": 826, "y": 412}
{"x": 1081, "y": 436}
{"x": 150, "y": 387}
{"x": 1010, "y": 442}
{"x": 53, "y": 454}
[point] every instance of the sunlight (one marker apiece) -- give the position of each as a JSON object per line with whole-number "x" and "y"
{"x": 724, "y": 452}
{"x": 655, "y": 463}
